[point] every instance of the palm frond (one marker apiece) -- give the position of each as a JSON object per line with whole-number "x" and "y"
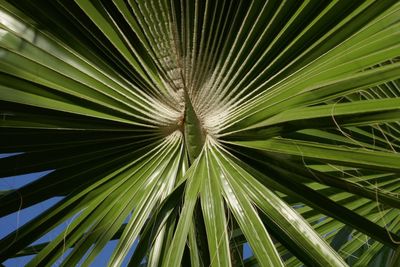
{"x": 186, "y": 129}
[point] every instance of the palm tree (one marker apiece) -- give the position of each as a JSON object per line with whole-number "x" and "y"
{"x": 188, "y": 129}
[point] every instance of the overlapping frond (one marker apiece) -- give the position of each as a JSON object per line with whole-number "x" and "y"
{"x": 188, "y": 128}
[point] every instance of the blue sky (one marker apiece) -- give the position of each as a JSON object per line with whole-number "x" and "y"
{"x": 9, "y": 223}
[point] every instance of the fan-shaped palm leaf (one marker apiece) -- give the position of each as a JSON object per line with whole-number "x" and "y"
{"x": 189, "y": 128}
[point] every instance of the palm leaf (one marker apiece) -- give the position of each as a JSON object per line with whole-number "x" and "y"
{"x": 185, "y": 129}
